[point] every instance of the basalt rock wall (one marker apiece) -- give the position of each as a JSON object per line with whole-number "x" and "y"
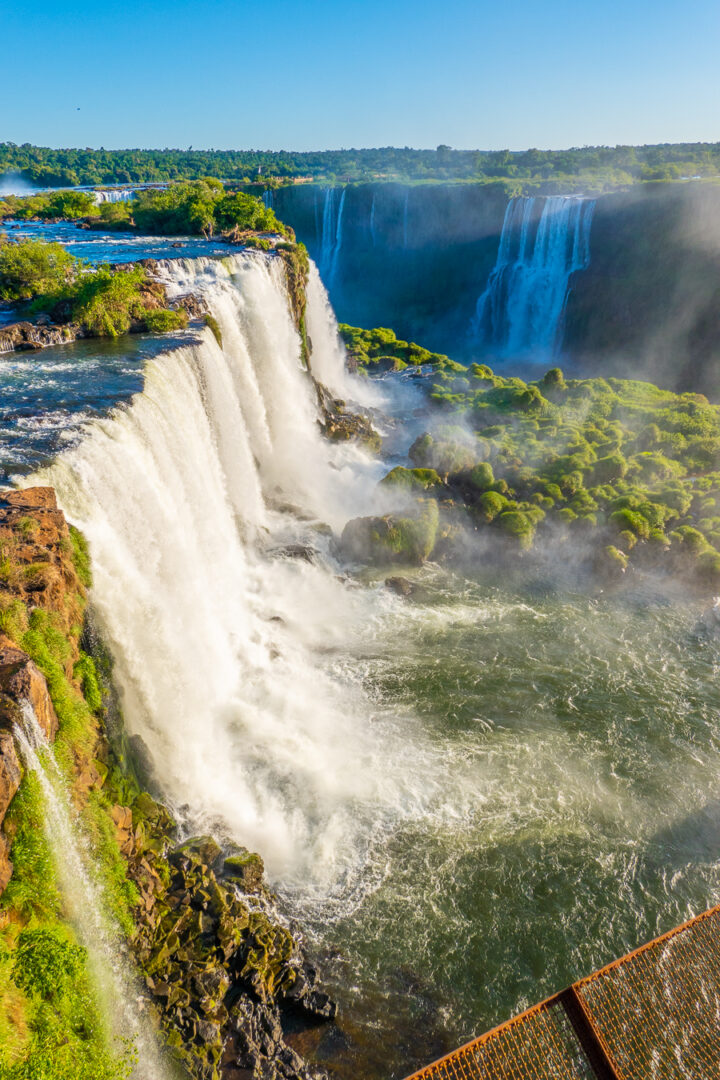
{"x": 417, "y": 258}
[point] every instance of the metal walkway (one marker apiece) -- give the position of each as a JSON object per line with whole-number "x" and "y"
{"x": 652, "y": 1015}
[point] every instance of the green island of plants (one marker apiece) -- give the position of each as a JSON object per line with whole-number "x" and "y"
{"x": 373, "y": 351}
{"x": 197, "y": 208}
{"x": 103, "y": 301}
{"x": 619, "y": 470}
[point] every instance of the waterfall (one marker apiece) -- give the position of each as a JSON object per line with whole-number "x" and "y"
{"x": 331, "y": 239}
{"x": 267, "y": 198}
{"x": 328, "y": 361}
{"x": 114, "y": 196}
{"x": 110, "y": 965}
{"x": 405, "y": 218}
{"x": 522, "y": 306}
{"x": 190, "y": 499}
{"x": 372, "y": 222}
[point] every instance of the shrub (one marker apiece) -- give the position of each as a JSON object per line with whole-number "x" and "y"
{"x": 32, "y": 267}
{"x": 481, "y": 476}
{"x": 45, "y": 964}
{"x": 411, "y": 479}
{"x": 163, "y": 320}
{"x": 608, "y": 468}
{"x": 106, "y": 303}
{"x": 491, "y": 504}
{"x": 632, "y": 521}
{"x": 519, "y": 525}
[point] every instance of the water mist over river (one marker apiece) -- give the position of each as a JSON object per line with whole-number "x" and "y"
{"x": 466, "y": 798}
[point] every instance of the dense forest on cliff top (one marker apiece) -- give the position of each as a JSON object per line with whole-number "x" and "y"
{"x": 601, "y": 165}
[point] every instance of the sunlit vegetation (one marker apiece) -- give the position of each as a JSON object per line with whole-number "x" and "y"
{"x": 372, "y": 351}
{"x": 199, "y": 207}
{"x": 52, "y": 1026}
{"x": 626, "y": 470}
{"x": 604, "y": 165}
{"x": 104, "y": 301}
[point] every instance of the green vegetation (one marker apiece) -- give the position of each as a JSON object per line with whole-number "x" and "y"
{"x": 67, "y": 1039}
{"x": 632, "y": 468}
{"x": 34, "y": 268}
{"x": 51, "y": 1022}
{"x": 198, "y": 207}
{"x": 380, "y": 350}
{"x": 104, "y": 301}
{"x": 604, "y": 165}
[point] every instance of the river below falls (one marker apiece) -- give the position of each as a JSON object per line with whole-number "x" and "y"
{"x": 575, "y": 813}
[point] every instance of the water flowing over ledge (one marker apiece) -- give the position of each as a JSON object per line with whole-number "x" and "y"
{"x": 521, "y": 309}
{"x": 189, "y": 499}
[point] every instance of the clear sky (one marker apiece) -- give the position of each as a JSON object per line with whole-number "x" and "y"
{"x": 318, "y": 74}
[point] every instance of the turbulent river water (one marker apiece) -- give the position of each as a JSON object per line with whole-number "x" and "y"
{"x": 467, "y": 798}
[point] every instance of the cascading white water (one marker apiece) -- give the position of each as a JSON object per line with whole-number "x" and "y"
{"x": 267, "y": 198}
{"x": 114, "y": 196}
{"x": 328, "y": 362}
{"x": 110, "y": 966}
{"x": 332, "y": 233}
{"x": 223, "y": 645}
{"x": 522, "y": 306}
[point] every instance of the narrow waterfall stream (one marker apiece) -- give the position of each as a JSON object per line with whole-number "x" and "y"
{"x": 543, "y": 242}
{"x": 110, "y": 963}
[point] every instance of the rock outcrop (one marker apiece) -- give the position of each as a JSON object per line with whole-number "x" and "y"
{"x": 339, "y": 425}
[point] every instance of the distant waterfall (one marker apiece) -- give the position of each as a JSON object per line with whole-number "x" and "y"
{"x": 110, "y": 965}
{"x": 331, "y": 236}
{"x": 406, "y": 205}
{"x": 113, "y": 196}
{"x": 267, "y": 198}
{"x": 521, "y": 309}
{"x": 373, "y": 235}
{"x": 223, "y": 642}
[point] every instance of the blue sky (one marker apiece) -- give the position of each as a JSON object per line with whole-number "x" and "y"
{"x": 315, "y": 74}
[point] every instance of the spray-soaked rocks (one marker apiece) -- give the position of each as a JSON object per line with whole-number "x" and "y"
{"x": 221, "y": 966}
{"x": 393, "y": 538}
{"x": 338, "y": 425}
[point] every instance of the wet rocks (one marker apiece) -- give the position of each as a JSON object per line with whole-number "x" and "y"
{"x": 401, "y": 586}
{"x": 338, "y": 425}
{"x": 29, "y": 336}
{"x": 220, "y": 965}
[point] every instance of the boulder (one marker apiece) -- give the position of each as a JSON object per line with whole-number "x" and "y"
{"x": 21, "y": 680}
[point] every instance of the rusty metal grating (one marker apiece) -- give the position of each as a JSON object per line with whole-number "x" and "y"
{"x": 652, "y": 1015}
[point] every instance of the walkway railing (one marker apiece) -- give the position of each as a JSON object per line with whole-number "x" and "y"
{"x": 652, "y": 1015}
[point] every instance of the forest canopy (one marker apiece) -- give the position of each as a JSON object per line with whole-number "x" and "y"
{"x": 604, "y": 165}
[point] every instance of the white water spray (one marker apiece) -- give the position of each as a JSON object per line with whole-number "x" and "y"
{"x": 110, "y": 965}
{"x": 224, "y": 645}
{"x": 521, "y": 309}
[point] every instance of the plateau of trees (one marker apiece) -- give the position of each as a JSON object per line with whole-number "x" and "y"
{"x": 198, "y": 207}
{"x": 104, "y": 301}
{"x": 598, "y": 165}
